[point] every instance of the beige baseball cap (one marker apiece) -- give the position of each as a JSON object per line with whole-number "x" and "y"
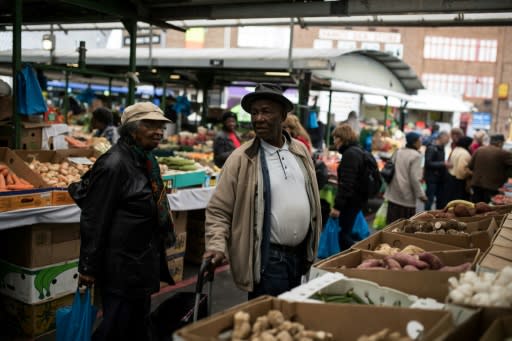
{"x": 143, "y": 111}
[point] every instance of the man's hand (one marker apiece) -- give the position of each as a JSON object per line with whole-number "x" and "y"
{"x": 217, "y": 257}
{"x": 88, "y": 281}
{"x": 334, "y": 213}
{"x": 448, "y": 164}
{"x": 424, "y": 198}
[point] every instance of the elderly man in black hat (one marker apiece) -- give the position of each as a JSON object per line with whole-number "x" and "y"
{"x": 265, "y": 214}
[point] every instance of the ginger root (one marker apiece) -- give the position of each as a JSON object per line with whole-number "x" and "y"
{"x": 242, "y": 326}
{"x": 275, "y": 317}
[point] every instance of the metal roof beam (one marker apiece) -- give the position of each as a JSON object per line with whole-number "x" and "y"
{"x": 375, "y": 7}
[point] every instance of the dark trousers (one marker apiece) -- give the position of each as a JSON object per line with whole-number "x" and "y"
{"x": 396, "y": 212}
{"x": 124, "y": 319}
{"x": 283, "y": 272}
{"x": 435, "y": 193}
{"x": 482, "y": 194}
{"x": 346, "y": 220}
{"x": 455, "y": 189}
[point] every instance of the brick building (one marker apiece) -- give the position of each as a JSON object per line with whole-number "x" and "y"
{"x": 472, "y": 62}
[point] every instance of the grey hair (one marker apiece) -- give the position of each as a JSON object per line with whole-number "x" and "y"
{"x": 128, "y": 129}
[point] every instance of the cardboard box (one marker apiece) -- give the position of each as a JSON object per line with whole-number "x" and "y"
{"x": 40, "y": 244}
{"x": 479, "y": 324}
{"x": 345, "y": 322}
{"x": 175, "y": 264}
{"x": 15, "y": 200}
{"x": 33, "y": 286}
{"x": 481, "y": 233}
{"x": 61, "y": 197}
{"x": 32, "y": 135}
{"x": 400, "y": 241}
{"x": 501, "y": 329}
{"x": 31, "y": 320}
{"x": 507, "y": 222}
{"x": 495, "y": 259}
{"x": 424, "y": 284}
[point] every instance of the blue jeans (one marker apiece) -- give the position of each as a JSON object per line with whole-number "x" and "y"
{"x": 435, "y": 193}
{"x": 282, "y": 273}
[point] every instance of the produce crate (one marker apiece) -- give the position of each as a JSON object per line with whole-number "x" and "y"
{"x": 482, "y": 323}
{"x": 15, "y": 200}
{"x": 31, "y": 320}
{"x": 345, "y": 322}
{"x": 495, "y": 259}
{"x": 503, "y": 237}
{"x": 424, "y": 284}
{"x": 337, "y": 284}
{"x": 400, "y": 241}
{"x": 481, "y": 233}
{"x": 37, "y": 285}
{"x": 40, "y": 244}
{"x": 501, "y": 329}
{"x": 186, "y": 179}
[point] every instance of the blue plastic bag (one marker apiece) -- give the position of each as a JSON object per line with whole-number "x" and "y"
{"x": 74, "y": 323}
{"x": 329, "y": 244}
{"x": 313, "y": 120}
{"x": 30, "y": 97}
{"x": 360, "y": 229}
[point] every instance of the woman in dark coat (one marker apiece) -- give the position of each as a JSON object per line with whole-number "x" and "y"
{"x": 226, "y": 140}
{"x": 350, "y": 197}
{"x": 125, "y": 226}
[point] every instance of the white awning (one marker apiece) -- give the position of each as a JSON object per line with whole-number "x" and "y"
{"x": 368, "y": 90}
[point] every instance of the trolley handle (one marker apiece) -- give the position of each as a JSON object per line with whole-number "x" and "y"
{"x": 206, "y": 274}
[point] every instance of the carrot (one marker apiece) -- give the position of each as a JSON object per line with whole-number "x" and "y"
{"x": 2, "y": 182}
{"x": 24, "y": 182}
{"x": 5, "y": 171}
{"x": 19, "y": 187}
{"x": 15, "y": 179}
{"x": 9, "y": 180}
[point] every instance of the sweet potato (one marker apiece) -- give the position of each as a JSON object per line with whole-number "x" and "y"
{"x": 457, "y": 268}
{"x": 482, "y": 207}
{"x": 462, "y": 211}
{"x": 434, "y": 261}
{"x": 410, "y": 268}
{"x": 392, "y": 264}
{"x": 404, "y": 260}
{"x": 371, "y": 263}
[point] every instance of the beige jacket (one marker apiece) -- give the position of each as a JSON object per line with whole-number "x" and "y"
{"x": 405, "y": 188}
{"x": 234, "y": 216}
{"x": 460, "y": 159}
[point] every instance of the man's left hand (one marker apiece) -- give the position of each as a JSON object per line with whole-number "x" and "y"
{"x": 334, "y": 213}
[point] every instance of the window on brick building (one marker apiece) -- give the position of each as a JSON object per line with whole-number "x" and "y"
{"x": 459, "y": 85}
{"x": 465, "y": 49}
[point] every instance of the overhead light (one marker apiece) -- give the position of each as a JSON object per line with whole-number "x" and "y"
{"x": 137, "y": 73}
{"x": 277, "y": 73}
{"x": 154, "y": 70}
{"x": 72, "y": 65}
{"x": 174, "y": 76}
{"x": 48, "y": 42}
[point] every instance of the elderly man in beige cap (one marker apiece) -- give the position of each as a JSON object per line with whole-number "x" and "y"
{"x": 125, "y": 226}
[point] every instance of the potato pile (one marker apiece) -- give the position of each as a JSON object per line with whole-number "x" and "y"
{"x": 273, "y": 327}
{"x": 387, "y": 250}
{"x": 458, "y": 208}
{"x": 384, "y": 335}
{"x": 451, "y": 227}
{"x": 59, "y": 174}
{"x": 402, "y": 261}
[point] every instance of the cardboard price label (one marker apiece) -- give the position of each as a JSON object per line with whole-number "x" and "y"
{"x": 80, "y": 160}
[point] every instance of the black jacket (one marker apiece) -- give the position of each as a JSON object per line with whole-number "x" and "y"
{"x": 435, "y": 168}
{"x": 351, "y": 181}
{"x": 222, "y": 148}
{"x": 121, "y": 245}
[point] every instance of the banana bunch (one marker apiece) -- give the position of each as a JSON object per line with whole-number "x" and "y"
{"x": 178, "y": 163}
{"x": 454, "y": 203}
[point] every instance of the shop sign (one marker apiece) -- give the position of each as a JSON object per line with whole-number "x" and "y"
{"x": 143, "y": 40}
{"x": 481, "y": 120}
{"x": 503, "y": 91}
{"x": 379, "y": 37}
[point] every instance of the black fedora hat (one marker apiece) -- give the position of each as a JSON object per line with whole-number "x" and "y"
{"x": 268, "y": 91}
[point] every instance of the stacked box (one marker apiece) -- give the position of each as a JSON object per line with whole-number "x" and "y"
{"x": 175, "y": 255}
{"x": 195, "y": 237}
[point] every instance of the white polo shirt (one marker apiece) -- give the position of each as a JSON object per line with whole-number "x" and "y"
{"x": 291, "y": 212}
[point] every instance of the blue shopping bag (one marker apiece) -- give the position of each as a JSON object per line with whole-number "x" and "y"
{"x": 30, "y": 97}
{"x": 329, "y": 244}
{"x": 74, "y": 323}
{"x": 360, "y": 229}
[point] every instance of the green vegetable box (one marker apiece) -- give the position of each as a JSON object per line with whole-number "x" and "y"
{"x": 185, "y": 179}
{"x": 36, "y": 285}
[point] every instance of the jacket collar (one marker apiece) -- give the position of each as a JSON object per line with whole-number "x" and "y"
{"x": 252, "y": 151}
{"x": 347, "y": 146}
{"x": 124, "y": 143}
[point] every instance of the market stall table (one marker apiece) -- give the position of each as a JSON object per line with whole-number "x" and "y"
{"x": 183, "y": 200}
